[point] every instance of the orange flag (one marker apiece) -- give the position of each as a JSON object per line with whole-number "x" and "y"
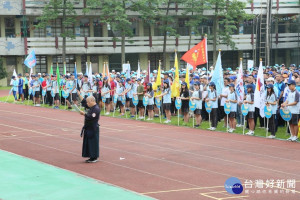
{"x": 196, "y": 55}
{"x": 104, "y": 68}
{"x": 107, "y": 69}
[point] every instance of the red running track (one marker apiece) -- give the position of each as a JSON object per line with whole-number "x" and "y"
{"x": 164, "y": 162}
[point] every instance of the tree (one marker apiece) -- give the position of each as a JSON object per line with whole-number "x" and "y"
{"x": 114, "y": 14}
{"x": 3, "y": 73}
{"x": 193, "y": 10}
{"x": 229, "y": 13}
{"x": 63, "y": 9}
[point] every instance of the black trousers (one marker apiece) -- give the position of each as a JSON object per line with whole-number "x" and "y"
{"x": 49, "y": 98}
{"x": 214, "y": 117}
{"x": 261, "y": 120}
{"x": 272, "y": 125}
{"x": 204, "y": 113}
{"x": 280, "y": 121}
{"x": 26, "y": 92}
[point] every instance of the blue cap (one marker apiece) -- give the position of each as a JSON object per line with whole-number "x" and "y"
{"x": 86, "y": 75}
{"x": 196, "y": 77}
{"x": 128, "y": 79}
{"x": 269, "y": 86}
{"x": 166, "y": 81}
{"x": 139, "y": 79}
{"x": 13, "y": 77}
{"x": 105, "y": 78}
{"x": 184, "y": 83}
{"x": 20, "y": 74}
{"x": 197, "y": 83}
{"x": 149, "y": 84}
{"x": 271, "y": 73}
{"x": 249, "y": 86}
{"x": 285, "y": 72}
{"x": 97, "y": 80}
{"x": 291, "y": 82}
{"x": 66, "y": 76}
{"x": 296, "y": 71}
{"x": 255, "y": 76}
{"x": 231, "y": 85}
{"x": 212, "y": 84}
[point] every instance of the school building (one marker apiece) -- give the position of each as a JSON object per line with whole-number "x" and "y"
{"x": 273, "y": 34}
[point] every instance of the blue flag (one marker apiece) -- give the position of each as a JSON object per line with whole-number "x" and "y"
{"x": 75, "y": 72}
{"x": 217, "y": 76}
{"x": 30, "y": 61}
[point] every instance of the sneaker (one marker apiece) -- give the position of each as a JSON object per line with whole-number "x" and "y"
{"x": 132, "y": 116}
{"x": 271, "y": 136}
{"x": 294, "y": 139}
{"x": 148, "y": 119}
{"x": 141, "y": 117}
{"x": 156, "y": 115}
{"x": 209, "y": 128}
{"x": 92, "y": 160}
{"x": 251, "y": 132}
{"x": 107, "y": 113}
{"x": 37, "y": 105}
{"x": 230, "y": 130}
{"x": 290, "y": 138}
{"x": 196, "y": 126}
{"x": 213, "y": 128}
{"x": 88, "y": 160}
{"x": 167, "y": 121}
{"x": 239, "y": 125}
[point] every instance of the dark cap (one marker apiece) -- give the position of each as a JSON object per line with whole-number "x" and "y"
{"x": 128, "y": 79}
{"x": 269, "y": 86}
{"x": 139, "y": 79}
{"x": 291, "y": 82}
{"x": 197, "y": 83}
{"x": 149, "y": 84}
{"x": 20, "y": 74}
{"x": 231, "y": 85}
{"x": 184, "y": 83}
{"x": 212, "y": 84}
{"x": 86, "y": 75}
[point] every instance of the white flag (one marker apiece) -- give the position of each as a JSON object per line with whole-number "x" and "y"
{"x": 259, "y": 94}
{"x": 239, "y": 88}
{"x": 15, "y": 75}
{"x": 90, "y": 75}
{"x": 138, "y": 71}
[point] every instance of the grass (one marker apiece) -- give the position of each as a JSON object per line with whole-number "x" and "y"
{"x": 260, "y": 132}
{"x": 5, "y": 87}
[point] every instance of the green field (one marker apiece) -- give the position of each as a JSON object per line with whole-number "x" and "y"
{"x": 261, "y": 132}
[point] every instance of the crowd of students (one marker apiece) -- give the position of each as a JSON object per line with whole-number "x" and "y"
{"x": 282, "y": 92}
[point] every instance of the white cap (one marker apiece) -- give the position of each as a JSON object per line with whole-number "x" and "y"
{"x": 270, "y": 79}
{"x": 113, "y": 70}
{"x": 39, "y": 74}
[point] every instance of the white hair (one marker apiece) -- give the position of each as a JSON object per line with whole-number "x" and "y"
{"x": 91, "y": 99}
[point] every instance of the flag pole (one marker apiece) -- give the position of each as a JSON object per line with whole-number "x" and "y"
{"x": 206, "y": 57}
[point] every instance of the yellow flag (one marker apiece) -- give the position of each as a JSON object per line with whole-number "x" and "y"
{"x": 175, "y": 86}
{"x": 187, "y": 76}
{"x": 158, "y": 82}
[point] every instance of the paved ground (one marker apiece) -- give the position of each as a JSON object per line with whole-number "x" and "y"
{"x": 164, "y": 162}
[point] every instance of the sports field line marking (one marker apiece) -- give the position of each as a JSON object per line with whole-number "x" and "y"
{"x": 263, "y": 155}
{"x": 26, "y": 130}
{"x": 179, "y": 190}
{"x": 138, "y": 170}
{"x": 207, "y": 194}
{"x": 28, "y": 137}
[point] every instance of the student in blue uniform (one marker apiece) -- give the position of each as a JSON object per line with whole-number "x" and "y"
{"x": 166, "y": 94}
{"x": 213, "y": 99}
{"x": 150, "y": 107}
{"x": 15, "y": 84}
{"x": 292, "y": 103}
{"x": 271, "y": 100}
{"x": 20, "y": 87}
{"x": 232, "y": 99}
{"x": 197, "y": 98}
{"x": 250, "y": 102}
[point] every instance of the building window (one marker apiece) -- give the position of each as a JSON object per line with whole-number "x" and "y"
{"x": 154, "y": 60}
{"x": 11, "y": 61}
{"x": 9, "y": 27}
{"x": 38, "y": 32}
{"x": 25, "y": 32}
{"x": 41, "y": 64}
{"x": 97, "y": 28}
{"x": 85, "y": 27}
{"x": 83, "y": 63}
{"x": 70, "y": 63}
{"x": 55, "y": 28}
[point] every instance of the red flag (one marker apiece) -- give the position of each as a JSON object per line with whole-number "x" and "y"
{"x": 147, "y": 79}
{"x": 196, "y": 55}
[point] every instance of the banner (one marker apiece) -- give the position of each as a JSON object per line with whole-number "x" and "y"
{"x": 217, "y": 76}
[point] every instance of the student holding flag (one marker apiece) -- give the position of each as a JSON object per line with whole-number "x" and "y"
{"x": 184, "y": 96}
{"x": 212, "y": 98}
{"x": 197, "y": 98}
{"x": 150, "y": 107}
{"x": 105, "y": 93}
{"x": 271, "y": 100}
{"x": 250, "y": 102}
{"x": 166, "y": 100}
{"x": 36, "y": 89}
{"x": 15, "y": 84}
{"x": 292, "y": 103}
{"x": 232, "y": 99}
{"x": 55, "y": 88}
